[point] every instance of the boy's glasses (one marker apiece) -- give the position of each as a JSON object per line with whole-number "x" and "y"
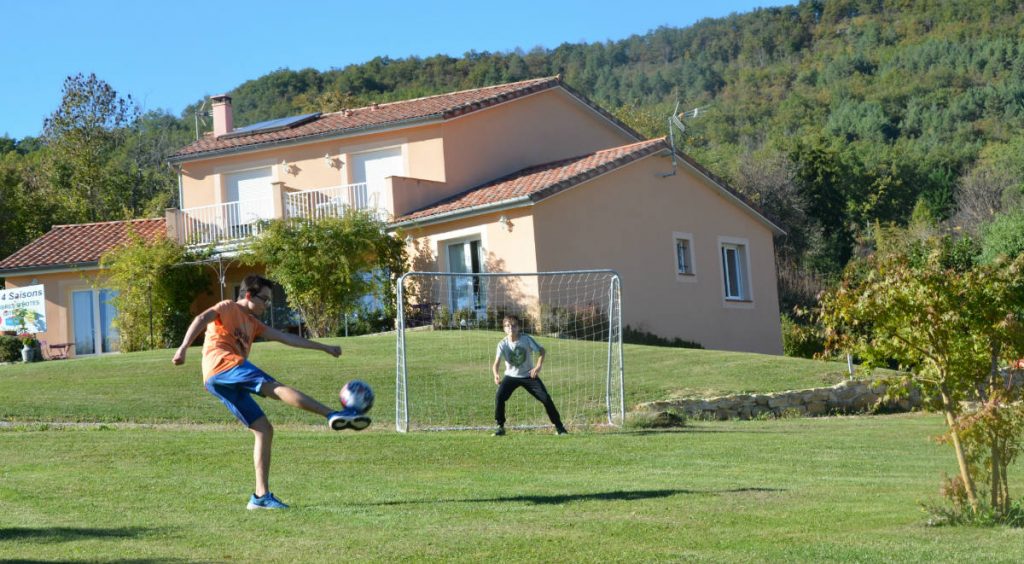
{"x": 266, "y": 301}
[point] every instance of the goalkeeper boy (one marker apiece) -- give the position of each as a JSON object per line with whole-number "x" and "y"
{"x": 516, "y": 350}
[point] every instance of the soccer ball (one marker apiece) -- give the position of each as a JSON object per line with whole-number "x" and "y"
{"x": 356, "y": 395}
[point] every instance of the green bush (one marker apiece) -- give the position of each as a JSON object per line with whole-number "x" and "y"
{"x": 10, "y": 348}
{"x": 587, "y": 322}
{"x": 799, "y": 340}
{"x": 641, "y": 337}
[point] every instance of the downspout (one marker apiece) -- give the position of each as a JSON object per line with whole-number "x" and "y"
{"x": 177, "y": 169}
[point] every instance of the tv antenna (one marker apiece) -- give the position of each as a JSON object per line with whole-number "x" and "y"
{"x": 201, "y": 115}
{"x": 675, "y": 121}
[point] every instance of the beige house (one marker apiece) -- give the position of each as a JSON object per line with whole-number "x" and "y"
{"x": 529, "y": 176}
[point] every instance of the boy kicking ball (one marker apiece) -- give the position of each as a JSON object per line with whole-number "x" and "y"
{"x": 516, "y": 349}
{"x": 230, "y": 329}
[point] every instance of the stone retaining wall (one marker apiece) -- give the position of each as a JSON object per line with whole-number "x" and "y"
{"x": 846, "y": 397}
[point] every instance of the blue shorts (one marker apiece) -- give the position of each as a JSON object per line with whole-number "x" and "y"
{"x": 235, "y": 387}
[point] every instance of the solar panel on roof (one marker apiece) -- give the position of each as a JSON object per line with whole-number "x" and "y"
{"x": 273, "y": 125}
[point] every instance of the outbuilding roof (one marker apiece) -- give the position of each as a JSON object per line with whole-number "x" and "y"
{"x": 79, "y": 245}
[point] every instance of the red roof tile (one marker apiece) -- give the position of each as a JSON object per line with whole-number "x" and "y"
{"x": 540, "y": 181}
{"x": 83, "y": 243}
{"x": 443, "y": 106}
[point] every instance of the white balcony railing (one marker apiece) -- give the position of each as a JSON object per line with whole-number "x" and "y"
{"x": 233, "y": 221}
{"x": 328, "y": 202}
{"x": 225, "y": 222}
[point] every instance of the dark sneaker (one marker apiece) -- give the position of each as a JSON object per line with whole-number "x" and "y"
{"x": 266, "y": 501}
{"x": 561, "y": 431}
{"x": 347, "y": 419}
{"x": 499, "y": 432}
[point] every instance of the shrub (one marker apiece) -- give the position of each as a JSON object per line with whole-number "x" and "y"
{"x": 801, "y": 340}
{"x": 655, "y": 420}
{"x": 10, "y": 348}
{"x": 640, "y": 337}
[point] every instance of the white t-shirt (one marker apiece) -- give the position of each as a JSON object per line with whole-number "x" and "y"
{"x": 517, "y": 357}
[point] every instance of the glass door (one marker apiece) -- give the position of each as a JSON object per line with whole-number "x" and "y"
{"x": 84, "y": 322}
{"x": 466, "y": 291}
{"x": 93, "y": 322}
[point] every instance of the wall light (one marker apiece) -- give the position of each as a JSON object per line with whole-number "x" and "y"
{"x": 506, "y": 223}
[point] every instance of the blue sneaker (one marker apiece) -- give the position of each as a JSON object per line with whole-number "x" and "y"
{"x": 266, "y": 501}
{"x": 347, "y": 419}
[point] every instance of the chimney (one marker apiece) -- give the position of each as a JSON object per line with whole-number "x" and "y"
{"x": 223, "y": 119}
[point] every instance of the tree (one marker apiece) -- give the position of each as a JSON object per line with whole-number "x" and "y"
{"x": 155, "y": 287}
{"x": 950, "y": 324}
{"x": 822, "y": 182}
{"x": 1003, "y": 236}
{"x": 327, "y": 266}
{"x": 83, "y": 134}
{"x": 25, "y": 210}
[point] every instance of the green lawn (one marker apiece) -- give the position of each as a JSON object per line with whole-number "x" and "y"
{"x": 784, "y": 490}
{"x": 828, "y": 489}
{"x": 146, "y": 387}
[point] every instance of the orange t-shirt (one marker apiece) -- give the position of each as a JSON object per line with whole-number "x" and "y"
{"x": 229, "y": 338}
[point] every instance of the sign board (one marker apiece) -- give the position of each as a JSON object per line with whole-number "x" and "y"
{"x": 30, "y": 301}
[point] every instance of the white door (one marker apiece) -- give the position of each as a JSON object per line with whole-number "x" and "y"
{"x": 372, "y": 168}
{"x": 254, "y": 193}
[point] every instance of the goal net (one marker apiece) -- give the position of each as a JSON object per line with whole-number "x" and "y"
{"x": 450, "y": 327}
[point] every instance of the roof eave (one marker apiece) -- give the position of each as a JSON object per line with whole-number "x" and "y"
{"x": 325, "y": 136}
{"x": 463, "y": 213}
{"x": 600, "y": 111}
{"x": 729, "y": 194}
{"x": 49, "y": 268}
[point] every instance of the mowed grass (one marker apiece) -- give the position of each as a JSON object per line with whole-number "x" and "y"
{"x": 834, "y": 489}
{"x": 828, "y": 489}
{"x": 146, "y": 388}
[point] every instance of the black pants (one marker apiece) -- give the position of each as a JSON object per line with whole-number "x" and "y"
{"x": 536, "y": 389}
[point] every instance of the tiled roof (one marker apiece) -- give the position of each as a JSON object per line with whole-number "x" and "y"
{"x": 443, "y": 106}
{"x": 84, "y": 243}
{"x": 540, "y": 181}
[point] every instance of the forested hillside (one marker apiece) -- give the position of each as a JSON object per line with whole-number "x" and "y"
{"x": 831, "y": 114}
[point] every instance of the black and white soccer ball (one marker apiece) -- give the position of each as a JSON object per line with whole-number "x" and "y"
{"x": 356, "y": 395}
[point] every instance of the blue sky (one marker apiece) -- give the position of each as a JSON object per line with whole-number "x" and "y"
{"x": 167, "y": 55}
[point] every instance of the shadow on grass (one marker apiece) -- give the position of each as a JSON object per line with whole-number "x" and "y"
{"x": 688, "y": 429}
{"x": 118, "y": 561}
{"x": 68, "y": 534}
{"x": 566, "y": 498}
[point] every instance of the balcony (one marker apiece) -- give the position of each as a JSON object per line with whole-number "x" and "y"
{"x": 232, "y": 222}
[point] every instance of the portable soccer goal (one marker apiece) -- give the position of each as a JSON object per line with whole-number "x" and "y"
{"x": 450, "y": 327}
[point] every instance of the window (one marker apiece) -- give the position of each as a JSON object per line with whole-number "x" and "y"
{"x": 734, "y": 271}
{"x": 684, "y": 257}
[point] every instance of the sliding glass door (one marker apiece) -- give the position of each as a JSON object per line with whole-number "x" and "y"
{"x": 92, "y": 317}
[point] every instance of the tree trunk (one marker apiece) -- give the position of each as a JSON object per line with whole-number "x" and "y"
{"x": 997, "y": 471}
{"x": 961, "y": 458}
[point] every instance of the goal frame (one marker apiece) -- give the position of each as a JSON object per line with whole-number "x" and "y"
{"x": 615, "y": 411}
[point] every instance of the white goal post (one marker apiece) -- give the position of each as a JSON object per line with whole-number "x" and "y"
{"x": 451, "y": 323}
